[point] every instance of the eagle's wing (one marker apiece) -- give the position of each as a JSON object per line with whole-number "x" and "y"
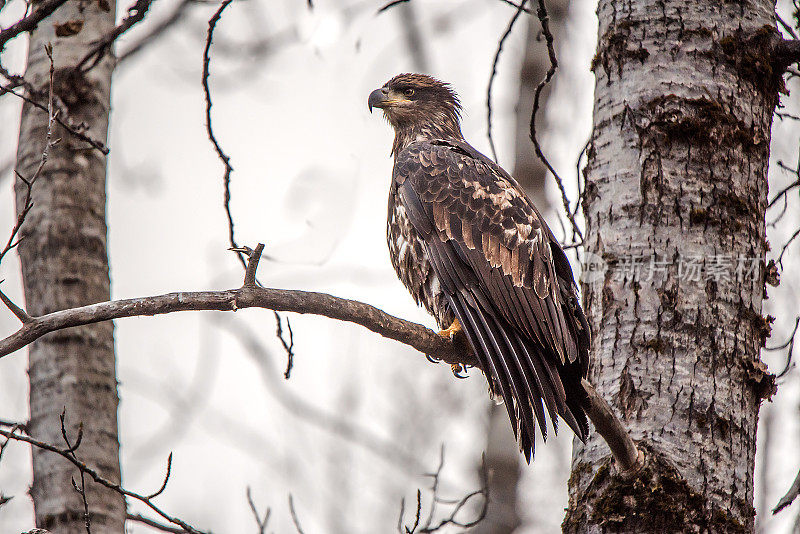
{"x": 506, "y": 279}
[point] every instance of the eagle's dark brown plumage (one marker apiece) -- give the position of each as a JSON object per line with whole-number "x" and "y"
{"x": 469, "y": 245}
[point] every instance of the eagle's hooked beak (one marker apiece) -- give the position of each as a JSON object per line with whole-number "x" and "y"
{"x": 378, "y": 98}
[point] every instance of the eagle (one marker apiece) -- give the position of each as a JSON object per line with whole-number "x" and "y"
{"x": 471, "y": 248}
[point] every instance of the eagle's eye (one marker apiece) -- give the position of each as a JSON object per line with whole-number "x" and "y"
{"x": 408, "y": 92}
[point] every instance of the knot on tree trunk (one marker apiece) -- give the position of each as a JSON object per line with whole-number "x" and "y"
{"x": 654, "y": 499}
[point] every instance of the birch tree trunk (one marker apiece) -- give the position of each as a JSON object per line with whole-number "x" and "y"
{"x": 65, "y": 264}
{"x": 676, "y": 194}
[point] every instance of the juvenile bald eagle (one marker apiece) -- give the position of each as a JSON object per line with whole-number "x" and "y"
{"x": 472, "y": 248}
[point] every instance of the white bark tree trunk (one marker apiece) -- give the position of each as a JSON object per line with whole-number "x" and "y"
{"x": 64, "y": 264}
{"x": 676, "y": 194}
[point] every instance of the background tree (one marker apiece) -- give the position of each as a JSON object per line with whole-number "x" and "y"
{"x": 63, "y": 255}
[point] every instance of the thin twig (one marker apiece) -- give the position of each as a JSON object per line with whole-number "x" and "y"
{"x": 294, "y": 515}
{"x": 790, "y": 344}
{"x": 288, "y": 347}
{"x": 786, "y": 247}
{"x": 790, "y": 496}
{"x": 457, "y": 504}
{"x": 166, "y": 479}
{"x": 544, "y": 19}
{"x": 495, "y": 61}
{"x": 27, "y": 204}
{"x": 389, "y": 6}
{"x": 226, "y": 160}
{"x": 70, "y": 450}
{"x": 139, "y": 518}
{"x": 262, "y": 523}
{"x": 786, "y": 26}
{"x": 99, "y": 478}
{"x": 72, "y": 129}
{"x": 156, "y": 31}
{"x": 518, "y": 6}
{"x": 136, "y": 14}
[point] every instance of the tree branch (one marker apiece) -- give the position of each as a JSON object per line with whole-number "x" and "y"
{"x": 29, "y": 23}
{"x": 415, "y": 335}
{"x": 790, "y": 496}
{"x": 156, "y": 31}
{"x": 787, "y": 51}
{"x": 83, "y": 468}
{"x": 453, "y": 351}
{"x": 627, "y": 457}
{"x": 136, "y": 14}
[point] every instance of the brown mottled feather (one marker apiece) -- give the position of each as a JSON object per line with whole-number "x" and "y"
{"x": 469, "y": 244}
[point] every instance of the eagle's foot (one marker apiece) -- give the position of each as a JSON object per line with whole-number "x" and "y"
{"x": 451, "y": 331}
{"x": 459, "y": 368}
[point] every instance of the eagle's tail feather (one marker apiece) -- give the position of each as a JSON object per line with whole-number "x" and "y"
{"x": 525, "y": 375}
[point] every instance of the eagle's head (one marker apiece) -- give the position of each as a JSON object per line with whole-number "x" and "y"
{"x": 420, "y": 104}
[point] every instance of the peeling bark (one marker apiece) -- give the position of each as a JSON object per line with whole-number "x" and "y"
{"x": 64, "y": 261}
{"x": 675, "y": 201}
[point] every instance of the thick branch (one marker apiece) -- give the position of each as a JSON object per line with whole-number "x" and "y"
{"x": 787, "y": 52}
{"x": 412, "y": 334}
{"x": 452, "y": 351}
{"x": 627, "y": 457}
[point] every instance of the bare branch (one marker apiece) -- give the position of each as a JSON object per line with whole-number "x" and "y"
{"x": 389, "y": 6}
{"x": 518, "y": 6}
{"x": 136, "y": 14}
{"x": 790, "y": 496}
{"x": 226, "y": 160}
{"x": 27, "y": 204}
{"x": 288, "y": 347}
{"x": 790, "y": 344}
{"x": 139, "y": 518}
{"x": 627, "y": 457}
{"x": 452, "y": 351}
{"x": 294, "y": 515}
{"x": 506, "y": 33}
{"x": 457, "y": 504}
{"x": 544, "y": 19}
{"x": 166, "y": 479}
{"x": 417, "y": 336}
{"x": 407, "y": 332}
{"x": 262, "y": 523}
{"x": 21, "y": 314}
{"x": 157, "y": 30}
{"x": 43, "y": 10}
{"x": 63, "y": 122}
{"x": 786, "y": 26}
{"x": 65, "y": 453}
{"x": 787, "y": 52}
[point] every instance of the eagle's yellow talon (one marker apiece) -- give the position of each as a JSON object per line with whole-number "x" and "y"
{"x": 459, "y": 368}
{"x": 451, "y": 331}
